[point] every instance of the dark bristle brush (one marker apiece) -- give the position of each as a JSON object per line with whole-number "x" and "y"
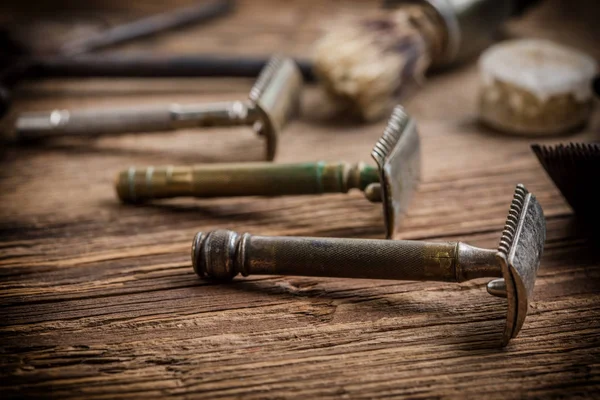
{"x": 574, "y": 168}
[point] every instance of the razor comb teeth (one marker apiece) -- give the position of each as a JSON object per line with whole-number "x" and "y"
{"x": 265, "y": 77}
{"x": 391, "y": 135}
{"x": 512, "y": 221}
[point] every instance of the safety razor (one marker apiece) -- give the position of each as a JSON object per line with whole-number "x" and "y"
{"x": 223, "y": 254}
{"x": 392, "y": 182}
{"x": 273, "y": 101}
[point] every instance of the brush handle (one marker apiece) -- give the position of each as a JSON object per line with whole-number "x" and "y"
{"x": 243, "y": 179}
{"x": 91, "y": 122}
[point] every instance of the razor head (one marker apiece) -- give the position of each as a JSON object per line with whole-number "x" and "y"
{"x": 519, "y": 254}
{"x": 398, "y": 157}
{"x": 276, "y": 95}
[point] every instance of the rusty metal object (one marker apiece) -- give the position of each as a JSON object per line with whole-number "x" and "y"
{"x": 393, "y": 182}
{"x": 273, "y": 101}
{"x": 223, "y": 254}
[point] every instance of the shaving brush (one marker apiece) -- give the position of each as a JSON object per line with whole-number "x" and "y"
{"x": 366, "y": 65}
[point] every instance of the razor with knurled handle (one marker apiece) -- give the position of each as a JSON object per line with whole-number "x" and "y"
{"x": 223, "y": 254}
{"x": 392, "y": 182}
{"x": 273, "y": 101}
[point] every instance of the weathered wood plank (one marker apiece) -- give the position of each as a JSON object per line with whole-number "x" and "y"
{"x": 98, "y": 299}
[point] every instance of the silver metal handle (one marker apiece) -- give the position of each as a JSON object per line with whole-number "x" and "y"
{"x": 99, "y": 121}
{"x": 37, "y": 125}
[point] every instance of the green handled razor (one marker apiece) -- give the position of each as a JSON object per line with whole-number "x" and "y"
{"x": 392, "y": 182}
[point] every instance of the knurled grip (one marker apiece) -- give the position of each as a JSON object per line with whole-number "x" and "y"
{"x": 223, "y": 254}
{"x": 34, "y": 125}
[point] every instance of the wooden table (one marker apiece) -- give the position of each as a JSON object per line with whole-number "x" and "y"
{"x": 98, "y": 299}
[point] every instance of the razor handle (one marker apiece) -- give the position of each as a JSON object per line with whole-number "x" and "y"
{"x": 243, "y": 179}
{"x": 92, "y": 122}
{"x": 223, "y": 254}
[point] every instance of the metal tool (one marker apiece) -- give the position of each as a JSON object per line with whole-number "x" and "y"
{"x": 273, "y": 101}
{"x": 223, "y": 254}
{"x": 177, "y": 18}
{"x": 397, "y": 154}
{"x": 149, "y": 26}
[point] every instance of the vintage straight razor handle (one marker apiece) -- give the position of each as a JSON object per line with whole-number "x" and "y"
{"x": 273, "y": 101}
{"x": 392, "y": 182}
{"x": 223, "y": 254}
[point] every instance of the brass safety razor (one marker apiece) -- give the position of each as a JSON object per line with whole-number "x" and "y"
{"x": 392, "y": 182}
{"x": 273, "y": 101}
{"x": 223, "y": 254}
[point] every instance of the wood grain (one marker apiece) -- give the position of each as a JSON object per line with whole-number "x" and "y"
{"x": 98, "y": 299}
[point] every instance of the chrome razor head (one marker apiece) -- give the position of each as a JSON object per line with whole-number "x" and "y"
{"x": 276, "y": 95}
{"x": 519, "y": 254}
{"x": 398, "y": 157}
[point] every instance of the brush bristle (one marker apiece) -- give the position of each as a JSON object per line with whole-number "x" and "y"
{"x": 512, "y": 221}
{"x": 575, "y": 169}
{"x": 366, "y": 65}
{"x": 265, "y": 77}
{"x": 390, "y": 137}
